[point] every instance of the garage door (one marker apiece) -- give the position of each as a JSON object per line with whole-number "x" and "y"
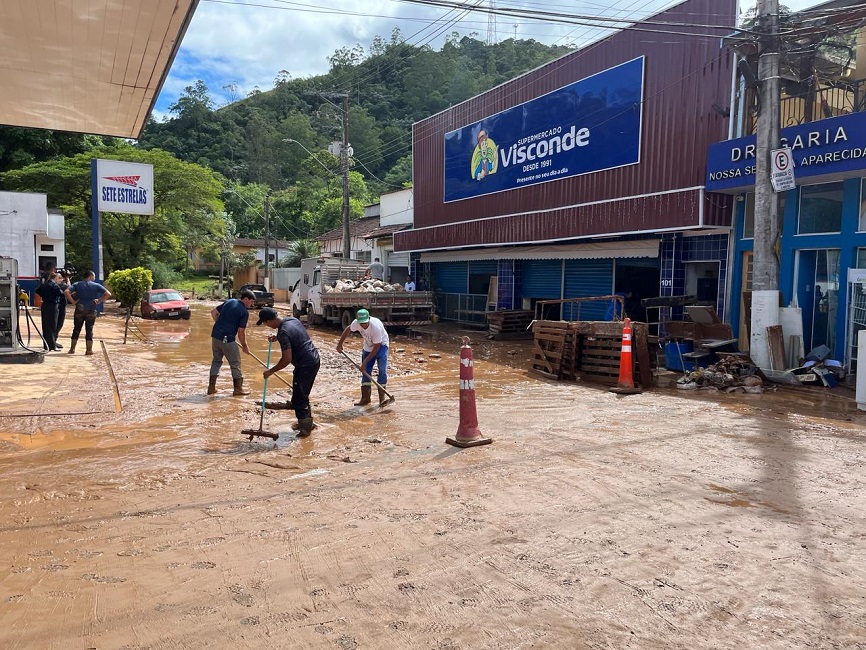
{"x": 542, "y": 278}
{"x": 589, "y": 278}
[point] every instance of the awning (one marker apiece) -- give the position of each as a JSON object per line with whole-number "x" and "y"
{"x": 592, "y": 250}
{"x": 88, "y": 67}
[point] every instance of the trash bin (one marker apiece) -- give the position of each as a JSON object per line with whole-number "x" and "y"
{"x": 673, "y": 360}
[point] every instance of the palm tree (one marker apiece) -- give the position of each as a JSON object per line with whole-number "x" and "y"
{"x": 299, "y": 249}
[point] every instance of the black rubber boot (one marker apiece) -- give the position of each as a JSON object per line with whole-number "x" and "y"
{"x": 366, "y": 391}
{"x": 383, "y": 396}
{"x": 305, "y": 427}
{"x": 211, "y": 385}
{"x": 89, "y": 347}
{"x": 239, "y": 388}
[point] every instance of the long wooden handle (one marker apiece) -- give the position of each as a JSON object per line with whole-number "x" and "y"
{"x": 378, "y": 385}
{"x": 266, "y": 367}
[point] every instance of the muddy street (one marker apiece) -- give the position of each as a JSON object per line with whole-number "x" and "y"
{"x": 660, "y": 520}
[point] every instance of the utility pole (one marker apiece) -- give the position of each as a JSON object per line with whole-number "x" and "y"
{"x": 344, "y": 166}
{"x": 267, "y": 237}
{"x": 765, "y": 277}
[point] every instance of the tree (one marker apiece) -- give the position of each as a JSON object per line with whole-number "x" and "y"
{"x": 300, "y": 249}
{"x": 129, "y": 286}
{"x": 187, "y": 207}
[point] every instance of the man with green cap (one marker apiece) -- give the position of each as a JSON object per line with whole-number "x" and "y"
{"x": 375, "y": 351}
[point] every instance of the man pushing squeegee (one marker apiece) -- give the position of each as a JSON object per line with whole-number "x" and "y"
{"x": 375, "y": 351}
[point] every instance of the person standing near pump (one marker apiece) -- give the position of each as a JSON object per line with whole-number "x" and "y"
{"x": 63, "y": 283}
{"x": 229, "y": 329}
{"x": 86, "y": 295}
{"x": 375, "y": 350}
{"x": 52, "y": 302}
{"x": 298, "y": 350}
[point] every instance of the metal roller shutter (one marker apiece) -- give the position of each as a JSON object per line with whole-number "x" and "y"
{"x": 542, "y": 278}
{"x": 589, "y": 278}
{"x": 400, "y": 259}
{"x": 452, "y": 277}
{"x": 483, "y": 267}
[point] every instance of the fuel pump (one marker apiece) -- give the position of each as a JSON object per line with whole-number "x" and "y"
{"x": 8, "y": 304}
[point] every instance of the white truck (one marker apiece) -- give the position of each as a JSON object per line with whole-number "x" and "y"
{"x": 309, "y": 296}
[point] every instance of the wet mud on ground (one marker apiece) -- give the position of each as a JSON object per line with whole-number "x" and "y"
{"x": 661, "y": 520}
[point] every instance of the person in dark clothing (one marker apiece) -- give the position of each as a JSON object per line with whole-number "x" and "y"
{"x": 297, "y": 349}
{"x": 229, "y": 329}
{"x": 63, "y": 283}
{"x": 52, "y": 299}
{"x": 86, "y": 295}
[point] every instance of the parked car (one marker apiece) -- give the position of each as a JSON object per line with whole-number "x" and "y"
{"x": 264, "y": 298}
{"x": 164, "y": 303}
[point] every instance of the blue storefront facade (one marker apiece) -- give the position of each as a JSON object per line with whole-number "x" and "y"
{"x": 823, "y": 233}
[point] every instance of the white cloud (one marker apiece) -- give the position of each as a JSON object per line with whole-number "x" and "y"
{"x": 247, "y": 45}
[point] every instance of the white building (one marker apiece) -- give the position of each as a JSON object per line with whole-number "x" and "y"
{"x": 31, "y": 233}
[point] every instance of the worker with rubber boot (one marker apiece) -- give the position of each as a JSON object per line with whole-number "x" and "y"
{"x": 297, "y": 349}
{"x": 228, "y": 338}
{"x": 86, "y": 295}
{"x": 375, "y": 351}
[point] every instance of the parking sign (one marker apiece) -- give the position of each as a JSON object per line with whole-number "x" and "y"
{"x": 782, "y": 174}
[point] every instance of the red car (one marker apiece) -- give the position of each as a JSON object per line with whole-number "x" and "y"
{"x": 164, "y": 303}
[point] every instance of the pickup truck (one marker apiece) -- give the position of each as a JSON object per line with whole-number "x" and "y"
{"x": 264, "y": 298}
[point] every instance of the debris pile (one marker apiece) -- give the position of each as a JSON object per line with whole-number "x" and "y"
{"x": 729, "y": 374}
{"x": 362, "y": 286}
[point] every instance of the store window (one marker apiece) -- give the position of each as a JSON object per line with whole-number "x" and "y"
{"x": 862, "y": 225}
{"x": 749, "y": 214}
{"x": 820, "y": 209}
{"x": 861, "y": 258}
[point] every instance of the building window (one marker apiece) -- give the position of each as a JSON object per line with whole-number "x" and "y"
{"x": 46, "y": 247}
{"x": 749, "y": 214}
{"x": 820, "y": 209}
{"x": 364, "y": 256}
{"x": 749, "y": 217}
{"x": 861, "y": 258}
{"x": 862, "y": 225}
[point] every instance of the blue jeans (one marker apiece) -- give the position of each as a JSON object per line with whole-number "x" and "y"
{"x": 381, "y": 360}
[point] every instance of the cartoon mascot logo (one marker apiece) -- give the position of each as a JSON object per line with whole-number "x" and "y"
{"x": 484, "y": 158}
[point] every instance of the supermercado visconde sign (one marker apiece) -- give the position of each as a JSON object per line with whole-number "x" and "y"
{"x": 588, "y": 126}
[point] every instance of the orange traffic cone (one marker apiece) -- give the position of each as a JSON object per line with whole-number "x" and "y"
{"x": 625, "y": 385}
{"x": 468, "y": 434}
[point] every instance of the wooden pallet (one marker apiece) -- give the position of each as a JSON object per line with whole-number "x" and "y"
{"x": 509, "y": 324}
{"x": 549, "y": 348}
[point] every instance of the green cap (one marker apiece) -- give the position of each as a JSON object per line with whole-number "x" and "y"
{"x": 363, "y": 316}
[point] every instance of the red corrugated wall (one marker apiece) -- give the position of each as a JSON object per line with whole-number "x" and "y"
{"x": 684, "y": 76}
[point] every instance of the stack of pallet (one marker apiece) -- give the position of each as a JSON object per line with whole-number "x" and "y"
{"x": 509, "y": 324}
{"x": 588, "y": 350}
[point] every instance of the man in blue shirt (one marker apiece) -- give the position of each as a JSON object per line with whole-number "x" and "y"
{"x": 298, "y": 349}
{"x": 86, "y": 295}
{"x": 229, "y": 329}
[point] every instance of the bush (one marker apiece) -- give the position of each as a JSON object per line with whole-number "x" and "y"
{"x": 164, "y": 277}
{"x": 129, "y": 285}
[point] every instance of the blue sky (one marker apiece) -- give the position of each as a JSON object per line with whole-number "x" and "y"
{"x": 246, "y": 43}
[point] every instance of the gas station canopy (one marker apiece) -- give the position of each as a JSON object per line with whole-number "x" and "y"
{"x": 88, "y": 66}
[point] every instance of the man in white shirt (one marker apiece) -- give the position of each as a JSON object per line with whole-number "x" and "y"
{"x": 375, "y": 351}
{"x": 410, "y": 284}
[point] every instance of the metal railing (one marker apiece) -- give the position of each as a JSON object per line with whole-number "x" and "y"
{"x": 569, "y": 308}
{"x": 843, "y": 98}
